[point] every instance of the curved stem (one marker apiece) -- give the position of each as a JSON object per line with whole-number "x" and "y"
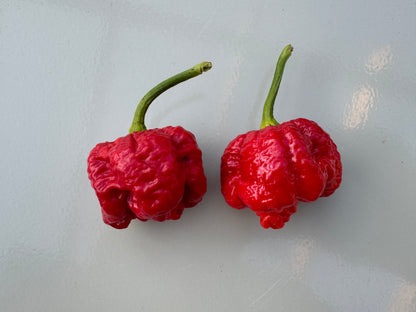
{"x": 268, "y": 119}
{"x": 138, "y": 120}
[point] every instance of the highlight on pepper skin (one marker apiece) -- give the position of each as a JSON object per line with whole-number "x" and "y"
{"x": 149, "y": 174}
{"x": 270, "y": 170}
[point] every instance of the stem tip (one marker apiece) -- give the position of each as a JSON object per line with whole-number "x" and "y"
{"x": 204, "y": 66}
{"x": 289, "y": 48}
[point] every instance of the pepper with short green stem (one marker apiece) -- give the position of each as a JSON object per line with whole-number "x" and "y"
{"x": 270, "y": 170}
{"x": 149, "y": 174}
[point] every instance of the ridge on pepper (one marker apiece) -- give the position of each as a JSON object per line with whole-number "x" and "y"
{"x": 149, "y": 174}
{"x": 270, "y": 170}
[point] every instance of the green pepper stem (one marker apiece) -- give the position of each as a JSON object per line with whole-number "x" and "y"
{"x": 138, "y": 120}
{"x": 268, "y": 119}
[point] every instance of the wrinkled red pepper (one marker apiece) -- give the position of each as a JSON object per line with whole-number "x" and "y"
{"x": 271, "y": 169}
{"x": 149, "y": 174}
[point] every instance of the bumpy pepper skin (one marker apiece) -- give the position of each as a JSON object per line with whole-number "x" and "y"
{"x": 149, "y": 174}
{"x": 152, "y": 174}
{"x": 271, "y": 169}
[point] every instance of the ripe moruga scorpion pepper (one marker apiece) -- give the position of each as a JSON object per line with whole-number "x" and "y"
{"x": 149, "y": 174}
{"x": 271, "y": 169}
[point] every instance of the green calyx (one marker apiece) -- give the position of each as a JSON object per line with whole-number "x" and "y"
{"x": 138, "y": 120}
{"x": 268, "y": 119}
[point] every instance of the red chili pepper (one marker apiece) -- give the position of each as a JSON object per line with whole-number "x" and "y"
{"x": 149, "y": 174}
{"x": 271, "y": 169}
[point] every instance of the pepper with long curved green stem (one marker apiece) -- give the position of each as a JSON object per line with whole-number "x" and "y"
{"x": 149, "y": 174}
{"x": 270, "y": 170}
{"x": 138, "y": 120}
{"x": 268, "y": 119}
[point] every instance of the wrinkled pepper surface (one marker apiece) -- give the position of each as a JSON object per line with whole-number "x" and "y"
{"x": 270, "y": 170}
{"x": 149, "y": 174}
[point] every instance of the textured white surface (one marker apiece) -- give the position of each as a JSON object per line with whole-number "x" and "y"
{"x": 71, "y": 75}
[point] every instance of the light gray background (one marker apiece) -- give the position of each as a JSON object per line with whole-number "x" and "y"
{"x": 72, "y": 73}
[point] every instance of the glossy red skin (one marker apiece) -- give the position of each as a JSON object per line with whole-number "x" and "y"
{"x": 152, "y": 174}
{"x": 271, "y": 169}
